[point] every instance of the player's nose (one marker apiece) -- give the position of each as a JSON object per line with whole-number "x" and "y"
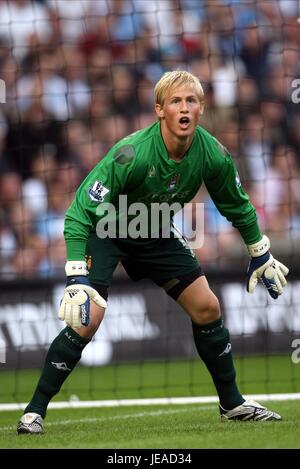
{"x": 184, "y": 107}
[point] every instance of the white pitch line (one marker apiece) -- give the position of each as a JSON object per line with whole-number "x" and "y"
{"x": 77, "y": 404}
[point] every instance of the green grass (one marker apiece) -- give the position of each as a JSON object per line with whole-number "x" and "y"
{"x": 177, "y": 426}
{"x": 184, "y": 426}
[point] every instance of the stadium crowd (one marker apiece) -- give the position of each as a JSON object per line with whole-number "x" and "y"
{"x": 78, "y": 76}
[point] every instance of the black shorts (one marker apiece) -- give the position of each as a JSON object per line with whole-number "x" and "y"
{"x": 168, "y": 262}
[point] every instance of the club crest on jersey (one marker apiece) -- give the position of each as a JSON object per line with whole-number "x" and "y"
{"x": 97, "y": 192}
{"x": 172, "y": 183}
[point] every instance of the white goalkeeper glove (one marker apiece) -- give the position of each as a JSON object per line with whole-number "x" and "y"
{"x": 75, "y": 305}
{"x": 265, "y": 268}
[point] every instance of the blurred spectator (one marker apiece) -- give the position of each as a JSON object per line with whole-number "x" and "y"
{"x": 256, "y": 146}
{"x": 113, "y": 128}
{"x": 9, "y": 74}
{"x": 89, "y": 154}
{"x": 253, "y": 52}
{"x": 69, "y": 176}
{"x": 7, "y": 242}
{"x": 229, "y": 135}
{"x": 123, "y": 94}
{"x": 10, "y": 193}
{"x": 25, "y": 137}
{"x": 294, "y": 135}
{"x": 24, "y": 24}
{"x": 247, "y": 97}
{"x": 73, "y": 18}
{"x": 75, "y": 72}
{"x": 219, "y": 20}
{"x": 79, "y": 76}
{"x": 42, "y": 171}
{"x": 3, "y": 130}
{"x": 279, "y": 190}
{"x": 224, "y": 81}
{"x": 10, "y": 189}
{"x": 99, "y": 63}
{"x": 53, "y": 264}
{"x": 47, "y": 87}
{"x": 50, "y": 225}
{"x": 29, "y": 246}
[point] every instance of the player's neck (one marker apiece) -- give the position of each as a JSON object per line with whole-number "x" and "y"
{"x": 176, "y": 147}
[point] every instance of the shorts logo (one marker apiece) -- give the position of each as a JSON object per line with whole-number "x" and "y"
{"x": 97, "y": 192}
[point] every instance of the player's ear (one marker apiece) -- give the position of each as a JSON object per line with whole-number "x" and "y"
{"x": 159, "y": 111}
{"x": 201, "y": 107}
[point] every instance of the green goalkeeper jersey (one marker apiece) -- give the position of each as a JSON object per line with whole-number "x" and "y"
{"x": 139, "y": 167}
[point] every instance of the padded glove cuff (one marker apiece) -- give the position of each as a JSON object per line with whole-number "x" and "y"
{"x": 76, "y": 268}
{"x": 260, "y": 248}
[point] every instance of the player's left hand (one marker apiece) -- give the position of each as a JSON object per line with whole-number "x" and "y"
{"x": 270, "y": 272}
{"x": 265, "y": 268}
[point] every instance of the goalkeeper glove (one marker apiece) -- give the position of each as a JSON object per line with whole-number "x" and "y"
{"x": 75, "y": 305}
{"x": 265, "y": 268}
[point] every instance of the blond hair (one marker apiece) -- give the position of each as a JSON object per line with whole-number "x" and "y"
{"x": 174, "y": 79}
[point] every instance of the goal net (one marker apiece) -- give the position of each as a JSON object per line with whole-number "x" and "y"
{"x": 76, "y": 76}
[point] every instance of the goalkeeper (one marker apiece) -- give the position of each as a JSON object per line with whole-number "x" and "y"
{"x": 167, "y": 161}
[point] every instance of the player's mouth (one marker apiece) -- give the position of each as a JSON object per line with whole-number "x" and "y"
{"x": 184, "y": 122}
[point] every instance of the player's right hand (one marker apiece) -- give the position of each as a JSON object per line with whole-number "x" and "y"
{"x": 75, "y": 304}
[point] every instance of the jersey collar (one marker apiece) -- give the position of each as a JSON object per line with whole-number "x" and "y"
{"x": 163, "y": 149}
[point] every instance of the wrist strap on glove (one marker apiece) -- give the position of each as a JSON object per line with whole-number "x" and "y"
{"x": 76, "y": 268}
{"x": 260, "y": 248}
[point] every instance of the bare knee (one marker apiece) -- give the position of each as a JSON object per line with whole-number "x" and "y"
{"x": 206, "y": 312}
{"x": 96, "y": 316}
{"x": 200, "y": 303}
{"x": 89, "y": 331}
